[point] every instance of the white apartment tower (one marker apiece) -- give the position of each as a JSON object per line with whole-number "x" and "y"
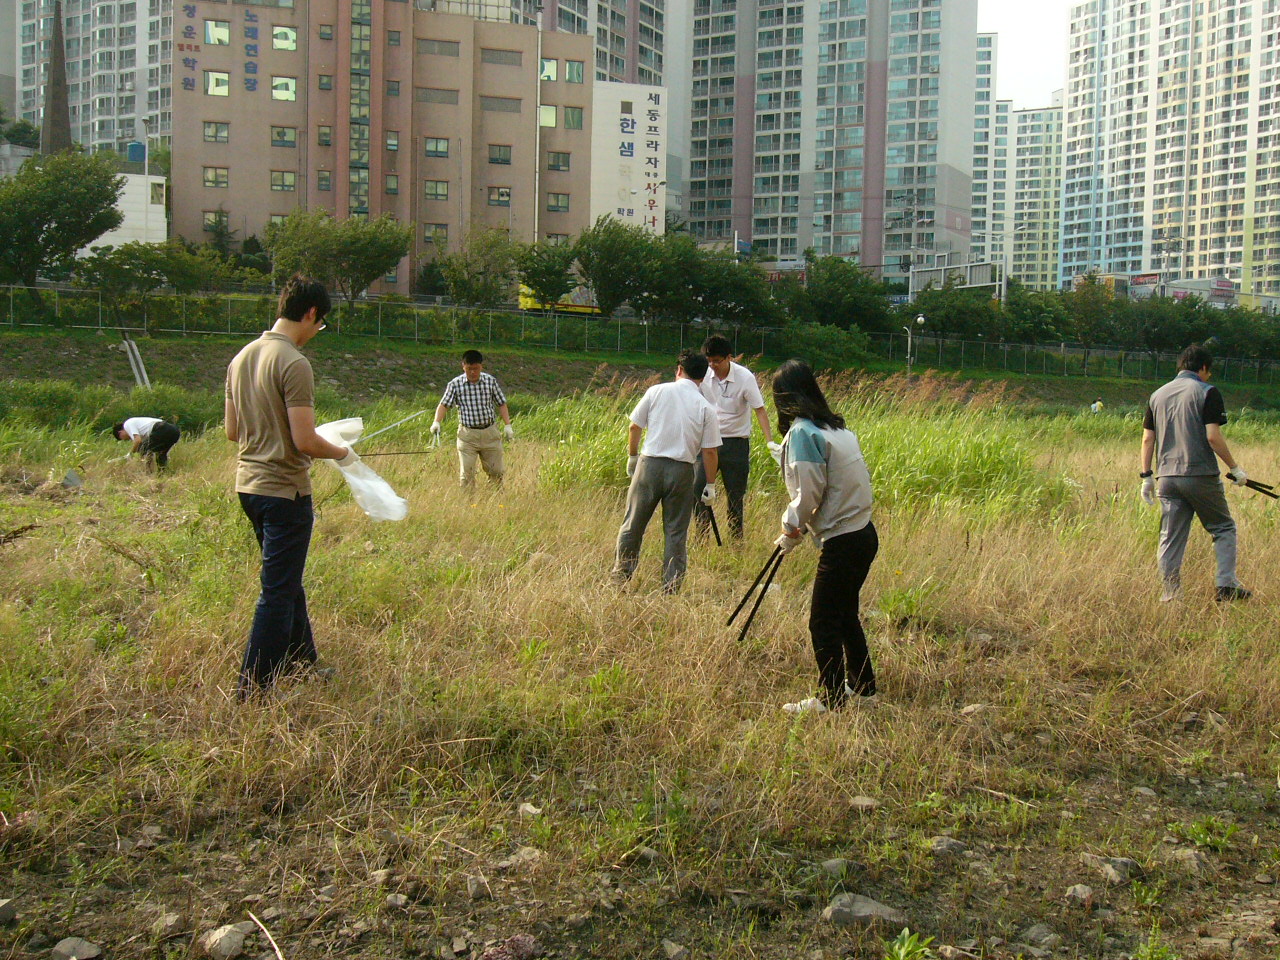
{"x": 119, "y": 67}
{"x": 845, "y": 126}
{"x": 990, "y": 160}
{"x": 1036, "y": 195}
{"x": 1172, "y": 126}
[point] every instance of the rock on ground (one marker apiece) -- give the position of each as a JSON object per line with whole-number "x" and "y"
{"x": 1080, "y": 894}
{"x": 8, "y": 911}
{"x": 674, "y": 951}
{"x": 520, "y": 947}
{"x": 947, "y": 846}
{"x": 74, "y": 948}
{"x": 850, "y": 909}
{"x": 224, "y": 943}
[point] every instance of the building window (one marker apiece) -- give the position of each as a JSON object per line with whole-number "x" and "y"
{"x": 284, "y": 180}
{"x": 437, "y": 233}
{"x": 393, "y": 183}
{"x": 547, "y": 115}
{"x": 557, "y": 239}
{"x": 285, "y": 88}
{"x": 500, "y": 104}
{"x": 279, "y": 217}
{"x": 393, "y": 88}
{"x": 573, "y": 118}
{"x": 436, "y": 190}
{"x": 393, "y": 140}
{"x": 499, "y": 153}
{"x": 217, "y": 83}
{"x": 437, "y": 147}
{"x": 434, "y": 95}
{"x": 325, "y": 81}
{"x": 557, "y": 161}
{"x": 217, "y": 33}
{"x": 324, "y": 136}
{"x": 284, "y": 136}
{"x": 215, "y": 132}
{"x": 284, "y": 38}
{"x": 499, "y": 196}
{"x": 215, "y": 220}
{"x": 326, "y": 31}
{"x": 393, "y": 38}
{"x": 557, "y": 203}
{"x": 392, "y": 276}
{"x": 216, "y": 177}
{"x": 548, "y": 69}
{"x": 509, "y": 58}
{"x": 573, "y": 71}
{"x": 324, "y": 180}
{"x": 440, "y": 48}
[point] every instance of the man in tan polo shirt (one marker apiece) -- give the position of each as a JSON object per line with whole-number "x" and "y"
{"x": 270, "y": 413}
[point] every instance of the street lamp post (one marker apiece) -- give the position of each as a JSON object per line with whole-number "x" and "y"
{"x": 919, "y": 323}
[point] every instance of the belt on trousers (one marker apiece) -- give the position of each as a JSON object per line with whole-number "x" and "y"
{"x": 483, "y": 426}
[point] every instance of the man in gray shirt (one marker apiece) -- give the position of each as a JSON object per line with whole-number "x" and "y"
{"x": 1183, "y": 429}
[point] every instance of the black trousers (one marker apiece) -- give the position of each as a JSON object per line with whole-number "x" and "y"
{"x": 280, "y": 639}
{"x": 158, "y": 443}
{"x": 839, "y": 645}
{"x": 735, "y": 468}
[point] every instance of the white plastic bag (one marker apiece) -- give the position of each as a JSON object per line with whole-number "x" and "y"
{"x": 373, "y": 494}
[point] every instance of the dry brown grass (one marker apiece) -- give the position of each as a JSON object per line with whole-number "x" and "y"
{"x": 483, "y": 661}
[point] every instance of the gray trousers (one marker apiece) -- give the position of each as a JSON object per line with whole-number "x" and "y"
{"x": 658, "y": 480}
{"x": 735, "y": 467}
{"x": 1182, "y": 498}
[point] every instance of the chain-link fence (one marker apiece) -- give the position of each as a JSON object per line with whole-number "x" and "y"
{"x": 1061, "y": 360}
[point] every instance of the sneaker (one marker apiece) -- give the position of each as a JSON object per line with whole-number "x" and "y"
{"x": 812, "y": 705}
{"x": 1172, "y": 587}
{"x": 1232, "y": 593}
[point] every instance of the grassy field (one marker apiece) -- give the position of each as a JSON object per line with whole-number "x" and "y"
{"x": 1040, "y": 706}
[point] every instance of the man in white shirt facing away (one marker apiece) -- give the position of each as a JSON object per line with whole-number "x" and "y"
{"x": 732, "y": 390}
{"x": 679, "y": 428}
{"x": 151, "y": 437}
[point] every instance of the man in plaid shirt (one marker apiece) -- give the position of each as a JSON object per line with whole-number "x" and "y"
{"x": 480, "y": 401}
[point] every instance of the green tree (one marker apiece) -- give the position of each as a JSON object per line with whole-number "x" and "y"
{"x": 612, "y": 259}
{"x": 122, "y": 273}
{"x": 1031, "y": 316}
{"x": 51, "y": 209}
{"x": 482, "y": 271}
{"x": 346, "y": 255}
{"x": 953, "y": 310}
{"x": 23, "y": 133}
{"x": 839, "y": 292}
{"x": 547, "y": 270}
{"x": 1091, "y": 305}
{"x": 430, "y": 281}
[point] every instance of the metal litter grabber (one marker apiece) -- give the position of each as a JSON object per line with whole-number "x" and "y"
{"x": 1266, "y": 489}
{"x": 715, "y": 527}
{"x": 766, "y": 574}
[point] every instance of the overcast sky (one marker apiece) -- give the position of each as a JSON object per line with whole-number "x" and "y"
{"x": 1031, "y": 61}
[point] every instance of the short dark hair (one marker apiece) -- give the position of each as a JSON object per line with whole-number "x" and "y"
{"x": 473, "y": 356}
{"x": 115, "y": 431}
{"x": 693, "y": 364}
{"x": 1195, "y": 358}
{"x": 717, "y": 346}
{"x": 299, "y": 295}
{"x": 796, "y": 394}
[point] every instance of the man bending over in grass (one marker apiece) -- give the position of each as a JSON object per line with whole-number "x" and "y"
{"x": 270, "y": 413}
{"x": 1183, "y": 430}
{"x": 151, "y": 437}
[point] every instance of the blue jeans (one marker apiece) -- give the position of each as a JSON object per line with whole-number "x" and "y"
{"x": 280, "y": 639}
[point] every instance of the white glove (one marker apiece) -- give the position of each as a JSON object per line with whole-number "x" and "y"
{"x": 632, "y": 462}
{"x": 787, "y": 543}
{"x": 1238, "y": 475}
{"x": 775, "y": 451}
{"x": 348, "y": 459}
{"x": 508, "y": 434}
{"x": 435, "y": 429}
{"x": 709, "y": 494}
{"x": 1149, "y": 490}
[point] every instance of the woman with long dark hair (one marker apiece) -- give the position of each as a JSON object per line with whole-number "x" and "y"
{"x": 830, "y": 491}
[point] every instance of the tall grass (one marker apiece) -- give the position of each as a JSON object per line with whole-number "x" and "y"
{"x": 484, "y": 661}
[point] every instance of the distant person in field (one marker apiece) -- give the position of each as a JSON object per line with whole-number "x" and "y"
{"x": 732, "y": 390}
{"x": 679, "y": 427}
{"x": 1183, "y": 431}
{"x": 270, "y": 414}
{"x": 1096, "y": 406}
{"x": 480, "y": 402}
{"x": 152, "y": 438}
{"x": 830, "y": 489}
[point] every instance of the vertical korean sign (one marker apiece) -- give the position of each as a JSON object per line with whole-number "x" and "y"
{"x": 629, "y": 154}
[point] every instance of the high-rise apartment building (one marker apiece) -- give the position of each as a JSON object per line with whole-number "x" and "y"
{"x": 9, "y": 57}
{"x": 990, "y": 161}
{"x": 841, "y": 125}
{"x": 1172, "y": 124}
{"x": 119, "y": 67}
{"x": 1035, "y": 138}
